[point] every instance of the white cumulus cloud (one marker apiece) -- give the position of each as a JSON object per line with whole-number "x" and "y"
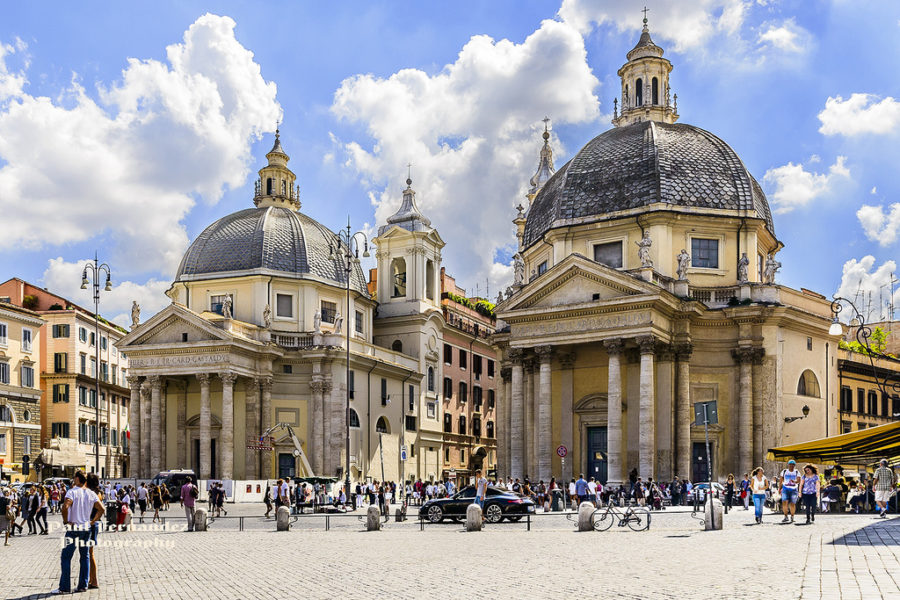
{"x": 795, "y": 187}
{"x": 859, "y": 114}
{"x": 471, "y": 131}
{"x": 131, "y": 164}
{"x": 64, "y": 278}
{"x": 869, "y": 290}
{"x": 786, "y": 36}
{"x": 880, "y": 226}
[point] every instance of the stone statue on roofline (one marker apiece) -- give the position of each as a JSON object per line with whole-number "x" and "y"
{"x": 644, "y": 250}
{"x": 684, "y": 260}
{"x": 743, "y": 269}
{"x": 135, "y": 314}
{"x": 267, "y": 317}
{"x": 771, "y": 268}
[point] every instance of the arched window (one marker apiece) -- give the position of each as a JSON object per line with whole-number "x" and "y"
{"x": 655, "y": 90}
{"x": 398, "y": 278}
{"x": 269, "y": 186}
{"x": 638, "y": 93}
{"x": 354, "y": 418}
{"x": 462, "y": 424}
{"x": 284, "y": 183}
{"x": 490, "y": 429}
{"x": 808, "y": 385}
{"x": 625, "y": 99}
{"x": 430, "y": 379}
{"x": 448, "y": 423}
{"x": 382, "y": 426}
{"x": 397, "y": 346}
{"x": 429, "y": 280}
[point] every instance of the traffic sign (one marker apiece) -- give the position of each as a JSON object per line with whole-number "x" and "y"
{"x": 562, "y": 451}
{"x": 403, "y": 454}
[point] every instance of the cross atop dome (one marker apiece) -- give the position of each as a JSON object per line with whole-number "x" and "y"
{"x": 645, "y": 84}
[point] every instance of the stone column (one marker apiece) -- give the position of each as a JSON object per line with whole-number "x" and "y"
{"x": 180, "y": 419}
{"x": 517, "y": 414}
{"x": 544, "y": 424}
{"x": 265, "y": 423}
{"x": 156, "y": 425}
{"x": 528, "y": 433}
{"x": 338, "y": 428}
{"x": 317, "y": 447}
{"x": 614, "y": 349}
{"x": 205, "y": 427}
{"x": 134, "y": 426}
{"x": 147, "y": 428}
{"x": 163, "y": 425}
{"x": 759, "y": 451}
{"x": 325, "y": 448}
{"x": 251, "y": 457}
{"x": 566, "y": 412}
{"x": 647, "y": 436}
{"x": 502, "y": 431}
{"x": 226, "y": 441}
{"x": 744, "y": 356}
{"x": 683, "y": 413}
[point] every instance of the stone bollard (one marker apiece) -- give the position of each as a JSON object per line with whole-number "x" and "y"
{"x": 283, "y": 519}
{"x": 712, "y": 515}
{"x": 400, "y": 514}
{"x": 585, "y": 510}
{"x": 199, "y": 519}
{"x": 373, "y": 518}
{"x": 473, "y": 518}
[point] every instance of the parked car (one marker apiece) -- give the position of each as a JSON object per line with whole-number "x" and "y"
{"x": 700, "y": 490}
{"x": 173, "y": 480}
{"x": 499, "y": 504}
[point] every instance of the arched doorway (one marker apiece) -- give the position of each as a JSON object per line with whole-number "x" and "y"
{"x": 478, "y": 456}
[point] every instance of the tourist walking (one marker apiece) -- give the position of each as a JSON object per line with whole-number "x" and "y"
{"x": 745, "y": 491}
{"x": 790, "y": 484}
{"x": 93, "y": 484}
{"x": 7, "y": 516}
{"x": 220, "y": 500}
{"x": 884, "y": 487}
{"x": 32, "y": 504}
{"x": 758, "y": 486}
{"x": 480, "y": 488}
{"x": 267, "y": 499}
{"x": 729, "y": 492}
{"x": 157, "y": 501}
{"x": 189, "y": 493}
{"x": 142, "y": 494}
{"x": 41, "y": 517}
{"x": 77, "y": 515}
{"x": 810, "y": 492}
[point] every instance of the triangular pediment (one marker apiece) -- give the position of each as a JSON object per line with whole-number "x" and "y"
{"x": 169, "y": 326}
{"x": 576, "y": 280}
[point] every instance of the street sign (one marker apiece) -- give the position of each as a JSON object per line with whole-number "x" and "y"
{"x": 562, "y": 451}
{"x": 403, "y": 455}
{"x": 710, "y": 409}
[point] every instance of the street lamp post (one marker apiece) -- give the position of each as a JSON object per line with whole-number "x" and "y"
{"x": 863, "y": 335}
{"x": 348, "y": 251}
{"x": 96, "y": 269}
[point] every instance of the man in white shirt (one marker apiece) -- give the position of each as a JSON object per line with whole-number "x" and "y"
{"x": 76, "y": 513}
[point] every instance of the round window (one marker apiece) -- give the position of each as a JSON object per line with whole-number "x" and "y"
{"x": 26, "y": 416}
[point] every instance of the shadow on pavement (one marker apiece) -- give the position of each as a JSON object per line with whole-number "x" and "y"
{"x": 882, "y": 532}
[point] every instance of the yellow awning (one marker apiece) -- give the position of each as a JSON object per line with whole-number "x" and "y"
{"x": 856, "y": 447}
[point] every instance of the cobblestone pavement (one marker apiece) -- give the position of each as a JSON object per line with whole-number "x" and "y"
{"x": 838, "y": 557}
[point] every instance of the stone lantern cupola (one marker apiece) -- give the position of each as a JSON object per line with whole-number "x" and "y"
{"x": 545, "y": 168}
{"x": 275, "y": 186}
{"x": 645, "y": 85}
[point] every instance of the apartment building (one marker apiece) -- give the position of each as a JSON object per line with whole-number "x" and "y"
{"x": 862, "y": 403}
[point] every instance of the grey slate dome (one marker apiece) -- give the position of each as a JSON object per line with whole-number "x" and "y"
{"x": 270, "y": 240}
{"x": 640, "y": 164}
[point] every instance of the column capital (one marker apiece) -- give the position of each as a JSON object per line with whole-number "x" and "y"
{"x": 203, "y": 378}
{"x": 266, "y": 383}
{"x": 544, "y": 353}
{"x": 134, "y": 382}
{"x": 747, "y": 354}
{"x": 665, "y": 352}
{"x": 614, "y": 345}
{"x": 327, "y": 386}
{"x": 506, "y": 374}
{"x": 317, "y": 386}
{"x": 516, "y": 355}
{"x": 647, "y": 344}
{"x": 683, "y": 351}
{"x": 566, "y": 359}
{"x": 228, "y": 377}
{"x": 154, "y": 381}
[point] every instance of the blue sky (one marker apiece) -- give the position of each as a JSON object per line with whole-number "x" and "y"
{"x": 130, "y": 128}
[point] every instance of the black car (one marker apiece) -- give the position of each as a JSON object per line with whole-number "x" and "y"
{"x": 499, "y": 504}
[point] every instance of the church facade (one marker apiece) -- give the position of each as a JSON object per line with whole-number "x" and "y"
{"x": 645, "y": 287}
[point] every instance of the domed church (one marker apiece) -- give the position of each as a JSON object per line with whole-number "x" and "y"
{"x": 263, "y": 307}
{"x": 645, "y": 286}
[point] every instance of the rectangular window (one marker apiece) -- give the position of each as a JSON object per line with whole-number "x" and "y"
{"x": 860, "y": 400}
{"x": 92, "y": 398}
{"x": 410, "y": 423}
{"x": 92, "y": 339}
{"x": 490, "y": 364}
{"x": 884, "y": 405}
{"x": 115, "y": 437}
{"x": 5, "y": 414}
{"x": 287, "y": 369}
{"x": 60, "y": 430}
{"x": 351, "y": 385}
{"x": 60, "y": 331}
{"x": 462, "y": 456}
{"x": 431, "y": 409}
{"x": 60, "y": 362}
{"x": 463, "y": 391}
{"x": 809, "y": 343}
{"x": 360, "y": 322}
{"x": 217, "y": 302}
{"x": 103, "y": 342}
{"x": 384, "y": 394}
{"x": 448, "y": 388}
{"x": 446, "y": 455}
{"x": 895, "y": 406}
{"x": 61, "y": 392}
{"x": 846, "y": 399}
{"x": 329, "y": 310}
{"x": 872, "y": 407}
{"x": 284, "y": 305}
{"x": 93, "y": 363}
{"x": 4, "y": 372}
{"x": 84, "y": 364}
{"x": 845, "y": 426}
{"x": 491, "y": 399}
{"x": 104, "y": 371}
{"x": 704, "y": 253}
{"x": 609, "y": 254}
{"x": 448, "y": 423}
{"x": 115, "y": 380}
{"x": 448, "y": 354}
{"x": 463, "y": 360}
{"x": 2, "y": 443}
{"x": 476, "y": 397}
{"x": 82, "y": 334}
{"x": 4, "y": 340}
{"x": 26, "y": 340}
{"x": 476, "y": 366}
{"x": 412, "y": 398}
{"x": 542, "y": 268}
{"x": 476, "y": 427}
{"x": 27, "y": 376}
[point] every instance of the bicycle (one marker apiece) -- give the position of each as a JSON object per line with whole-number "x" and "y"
{"x": 636, "y": 519}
